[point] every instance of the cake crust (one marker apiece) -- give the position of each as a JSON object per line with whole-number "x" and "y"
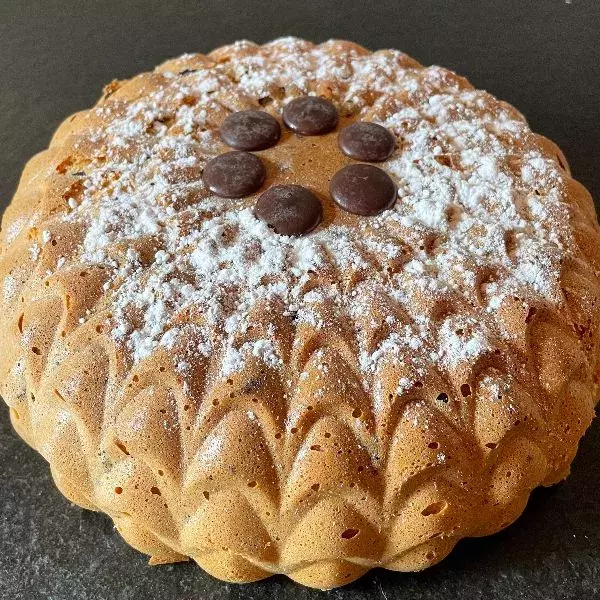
{"x": 363, "y": 395}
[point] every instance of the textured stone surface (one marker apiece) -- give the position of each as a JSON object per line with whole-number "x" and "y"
{"x": 546, "y": 67}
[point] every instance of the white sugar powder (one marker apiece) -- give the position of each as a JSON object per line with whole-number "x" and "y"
{"x": 177, "y": 255}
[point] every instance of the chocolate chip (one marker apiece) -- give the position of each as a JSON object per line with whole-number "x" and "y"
{"x": 250, "y": 130}
{"x": 363, "y": 189}
{"x": 234, "y": 174}
{"x": 366, "y": 141}
{"x": 289, "y": 209}
{"x": 310, "y": 115}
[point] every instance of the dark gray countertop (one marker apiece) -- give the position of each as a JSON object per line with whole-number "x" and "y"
{"x": 541, "y": 55}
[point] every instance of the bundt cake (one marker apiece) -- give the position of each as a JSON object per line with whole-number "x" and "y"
{"x": 301, "y": 309}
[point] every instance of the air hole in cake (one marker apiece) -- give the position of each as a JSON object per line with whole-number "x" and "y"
{"x": 20, "y": 322}
{"x": 186, "y": 407}
{"x": 215, "y": 402}
{"x": 155, "y": 491}
{"x": 315, "y": 487}
{"x": 530, "y": 314}
{"x": 162, "y": 369}
{"x": 508, "y": 474}
{"x": 465, "y": 390}
{"x": 357, "y": 413}
{"x": 431, "y": 243}
{"x": 446, "y": 160}
{"x": 99, "y": 329}
{"x": 435, "y": 508}
{"x": 510, "y": 244}
{"x": 294, "y": 430}
{"x": 327, "y": 434}
{"x": 433, "y": 445}
{"x": 206, "y": 494}
{"x": 491, "y": 445}
{"x": 252, "y": 484}
{"x": 348, "y": 534}
{"x": 118, "y": 490}
{"x": 452, "y": 215}
{"x": 442, "y": 397}
{"x": 430, "y": 555}
{"x": 121, "y": 446}
{"x": 160, "y": 472}
{"x": 316, "y": 447}
{"x": 64, "y": 165}
{"x": 278, "y": 436}
{"x": 36, "y": 350}
{"x": 418, "y": 384}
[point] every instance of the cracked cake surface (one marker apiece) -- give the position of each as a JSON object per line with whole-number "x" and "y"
{"x": 396, "y": 374}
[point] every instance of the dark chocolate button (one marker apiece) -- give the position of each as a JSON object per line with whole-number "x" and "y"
{"x": 250, "y": 130}
{"x": 289, "y": 209}
{"x": 234, "y": 174}
{"x": 310, "y": 115}
{"x": 366, "y": 141}
{"x": 363, "y": 189}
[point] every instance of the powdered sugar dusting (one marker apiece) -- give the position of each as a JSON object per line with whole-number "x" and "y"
{"x": 475, "y": 191}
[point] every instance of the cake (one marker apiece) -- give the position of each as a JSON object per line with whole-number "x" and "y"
{"x": 300, "y": 309}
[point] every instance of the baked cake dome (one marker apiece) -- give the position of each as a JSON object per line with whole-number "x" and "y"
{"x": 300, "y": 309}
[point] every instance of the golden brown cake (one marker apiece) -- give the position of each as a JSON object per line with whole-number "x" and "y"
{"x": 263, "y": 342}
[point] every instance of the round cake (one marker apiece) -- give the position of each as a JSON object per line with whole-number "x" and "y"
{"x": 301, "y": 309}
